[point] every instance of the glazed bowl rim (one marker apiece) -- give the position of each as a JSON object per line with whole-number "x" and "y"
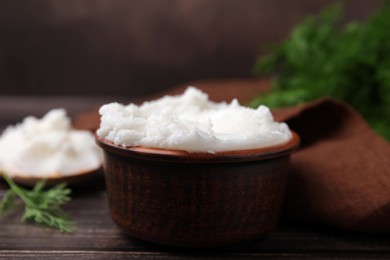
{"x": 158, "y": 154}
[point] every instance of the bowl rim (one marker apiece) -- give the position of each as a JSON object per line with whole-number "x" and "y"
{"x": 55, "y": 178}
{"x": 158, "y": 154}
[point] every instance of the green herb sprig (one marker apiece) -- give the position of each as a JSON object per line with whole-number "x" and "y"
{"x": 41, "y": 206}
{"x": 322, "y": 57}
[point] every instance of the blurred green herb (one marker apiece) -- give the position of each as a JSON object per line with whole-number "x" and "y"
{"x": 41, "y": 206}
{"x": 322, "y": 57}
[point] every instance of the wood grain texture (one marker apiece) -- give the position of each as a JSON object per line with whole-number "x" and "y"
{"x": 97, "y": 234}
{"x": 138, "y": 47}
{"x": 99, "y": 238}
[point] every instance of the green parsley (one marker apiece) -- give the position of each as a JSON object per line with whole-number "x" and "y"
{"x": 322, "y": 57}
{"x": 41, "y": 206}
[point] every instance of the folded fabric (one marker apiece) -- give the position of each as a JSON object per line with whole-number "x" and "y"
{"x": 341, "y": 174}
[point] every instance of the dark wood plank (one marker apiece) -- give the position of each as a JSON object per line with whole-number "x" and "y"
{"x": 97, "y": 232}
{"x": 142, "y": 46}
{"x": 168, "y": 256}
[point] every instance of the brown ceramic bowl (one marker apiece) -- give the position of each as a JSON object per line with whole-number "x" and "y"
{"x": 196, "y": 199}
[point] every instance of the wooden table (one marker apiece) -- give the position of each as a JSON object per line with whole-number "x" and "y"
{"x": 98, "y": 237}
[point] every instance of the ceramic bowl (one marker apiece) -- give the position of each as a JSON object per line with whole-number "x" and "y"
{"x": 74, "y": 179}
{"x": 196, "y": 199}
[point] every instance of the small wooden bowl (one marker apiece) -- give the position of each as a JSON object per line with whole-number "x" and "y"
{"x": 54, "y": 179}
{"x": 196, "y": 199}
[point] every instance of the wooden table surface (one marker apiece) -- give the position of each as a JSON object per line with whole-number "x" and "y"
{"x": 97, "y": 237}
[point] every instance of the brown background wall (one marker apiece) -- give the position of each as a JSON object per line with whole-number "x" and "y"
{"x": 136, "y": 47}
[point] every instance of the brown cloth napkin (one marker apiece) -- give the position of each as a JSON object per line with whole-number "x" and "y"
{"x": 341, "y": 174}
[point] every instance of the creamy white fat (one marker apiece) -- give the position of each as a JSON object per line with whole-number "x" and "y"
{"x": 191, "y": 122}
{"x": 47, "y": 147}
